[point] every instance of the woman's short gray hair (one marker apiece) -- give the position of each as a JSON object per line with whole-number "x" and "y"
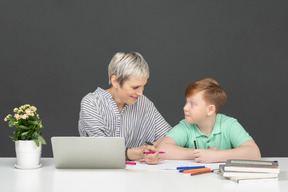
{"x": 122, "y": 65}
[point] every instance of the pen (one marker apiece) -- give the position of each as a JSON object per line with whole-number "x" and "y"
{"x": 195, "y": 144}
{"x": 161, "y": 152}
{"x": 193, "y": 167}
{"x": 149, "y": 143}
{"x": 196, "y": 170}
{"x": 130, "y": 163}
{"x": 198, "y": 173}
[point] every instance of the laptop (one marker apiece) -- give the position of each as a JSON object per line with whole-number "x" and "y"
{"x": 88, "y": 152}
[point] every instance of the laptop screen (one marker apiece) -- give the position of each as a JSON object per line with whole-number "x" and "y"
{"x": 89, "y": 152}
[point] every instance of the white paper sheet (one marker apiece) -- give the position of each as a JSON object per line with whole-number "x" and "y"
{"x": 172, "y": 165}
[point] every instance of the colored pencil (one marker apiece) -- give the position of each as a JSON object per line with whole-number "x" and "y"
{"x": 198, "y": 173}
{"x": 196, "y": 170}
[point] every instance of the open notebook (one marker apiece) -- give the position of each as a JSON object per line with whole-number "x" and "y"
{"x": 89, "y": 152}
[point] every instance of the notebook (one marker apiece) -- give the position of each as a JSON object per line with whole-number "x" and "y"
{"x": 88, "y": 152}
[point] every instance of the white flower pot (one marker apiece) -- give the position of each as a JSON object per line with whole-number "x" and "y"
{"x": 27, "y": 155}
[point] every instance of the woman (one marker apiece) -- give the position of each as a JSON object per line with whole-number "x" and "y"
{"x": 123, "y": 110}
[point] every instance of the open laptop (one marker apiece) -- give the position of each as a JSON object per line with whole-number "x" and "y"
{"x": 89, "y": 152}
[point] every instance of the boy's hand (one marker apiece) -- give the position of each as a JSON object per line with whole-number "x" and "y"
{"x": 205, "y": 155}
{"x": 152, "y": 159}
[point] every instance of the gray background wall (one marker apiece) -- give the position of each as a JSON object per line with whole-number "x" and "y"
{"x": 53, "y": 52}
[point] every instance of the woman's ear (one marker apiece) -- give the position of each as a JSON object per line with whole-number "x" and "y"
{"x": 114, "y": 81}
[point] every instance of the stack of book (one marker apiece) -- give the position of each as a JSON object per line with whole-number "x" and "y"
{"x": 246, "y": 171}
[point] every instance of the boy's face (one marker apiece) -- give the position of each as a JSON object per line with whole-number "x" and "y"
{"x": 196, "y": 110}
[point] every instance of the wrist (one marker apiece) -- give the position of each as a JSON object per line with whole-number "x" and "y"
{"x": 135, "y": 153}
{"x": 127, "y": 155}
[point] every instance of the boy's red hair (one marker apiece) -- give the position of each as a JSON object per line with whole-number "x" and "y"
{"x": 213, "y": 92}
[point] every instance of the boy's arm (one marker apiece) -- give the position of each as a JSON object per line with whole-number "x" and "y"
{"x": 173, "y": 151}
{"x": 248, "y": 150}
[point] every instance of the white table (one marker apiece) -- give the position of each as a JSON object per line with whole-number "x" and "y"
{"x": 49, "y": 179}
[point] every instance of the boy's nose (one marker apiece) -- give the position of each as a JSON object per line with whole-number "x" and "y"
{"x": 185, "y": 107}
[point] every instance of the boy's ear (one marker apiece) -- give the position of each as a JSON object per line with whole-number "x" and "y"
{"x": 211, "y": 110}
{"x": 114, "y": 81}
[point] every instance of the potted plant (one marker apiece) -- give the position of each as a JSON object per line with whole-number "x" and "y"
{"x": 27, "y": 137}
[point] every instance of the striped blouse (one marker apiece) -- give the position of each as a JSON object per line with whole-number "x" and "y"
{"x": 138, "y": 123}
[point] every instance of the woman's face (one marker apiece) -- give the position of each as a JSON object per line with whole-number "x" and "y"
{"x": 131, "y": 89}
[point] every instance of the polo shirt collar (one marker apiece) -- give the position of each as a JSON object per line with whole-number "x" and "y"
{"x": 216, "y": 130}
{"x": 217, "y": 127}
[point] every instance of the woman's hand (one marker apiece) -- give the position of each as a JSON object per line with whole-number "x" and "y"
{"x": 139, "y": 153}
{"x": 153, "y": 158}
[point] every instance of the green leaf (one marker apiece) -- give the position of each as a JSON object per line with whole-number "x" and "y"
{"x": 24, "y": 133}
{"x": 36, "y": 141}
{"x": 11, "y": 123}
{"x": 23, "y": 127}
{"x": 18, "y": 133}
{"x": 31, "y": 127}
{"x": 12, "y": 137}
{"x": 35, "y": 135}
{"x": 41, "y": 139}
{"x": 33, "y": 122}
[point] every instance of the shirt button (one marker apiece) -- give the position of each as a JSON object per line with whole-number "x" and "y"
{"x": 208, "y": 141}
{"x": 208, "y": 147}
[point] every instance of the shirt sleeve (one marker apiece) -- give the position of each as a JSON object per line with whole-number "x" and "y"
{"x": 179, "y": 134}
{"x": 162, "y": 126}
{"x": 238, "y": 135}
{"x": 90, "y": 121}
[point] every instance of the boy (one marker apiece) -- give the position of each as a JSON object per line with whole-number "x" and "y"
{"x": 205, "y": 135}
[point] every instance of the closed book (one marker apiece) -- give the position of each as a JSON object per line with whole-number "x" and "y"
{"x": 251, "y": 169}
{"x": 251, "y": 163}
{"x": 252, "y": 180}
{"x": 245, "y": 174}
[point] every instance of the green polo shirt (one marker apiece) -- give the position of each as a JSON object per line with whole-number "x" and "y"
{"x": 226, "y": 134}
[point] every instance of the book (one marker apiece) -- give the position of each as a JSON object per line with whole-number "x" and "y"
{"x": 245, "y": 174}
{"x": 252, "y": 163}
{"x": 252, "y": 180}
{"x": 251, "y": 166}
{"x": 251, "y": 169}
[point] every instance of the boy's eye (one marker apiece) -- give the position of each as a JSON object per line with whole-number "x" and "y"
{"x": 135, "y": 88}
{"x": 190, "y": 103}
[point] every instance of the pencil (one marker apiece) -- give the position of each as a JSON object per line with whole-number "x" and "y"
{"x": 198, "y": 173}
